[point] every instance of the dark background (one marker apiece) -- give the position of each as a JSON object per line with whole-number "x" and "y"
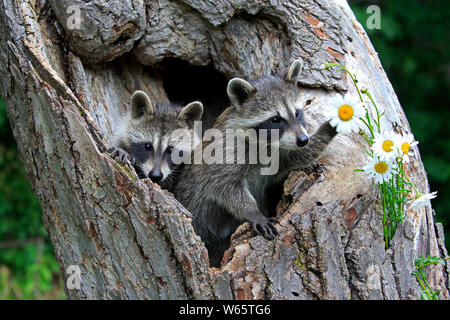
{"x": 413, "y": 46}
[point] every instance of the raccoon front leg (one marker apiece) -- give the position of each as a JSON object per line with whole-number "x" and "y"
{"x": 121, "y": 155}
{"x": 262, "y": 225}
{"x": 243, "y": 206}
{"x": 308, "y": 154}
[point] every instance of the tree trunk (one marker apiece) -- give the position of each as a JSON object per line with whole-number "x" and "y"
{"x": 65, "y": 84}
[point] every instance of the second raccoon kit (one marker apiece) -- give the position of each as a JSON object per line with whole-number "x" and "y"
{"x": 221, "y": 197}
{"x": 150, "y": 132}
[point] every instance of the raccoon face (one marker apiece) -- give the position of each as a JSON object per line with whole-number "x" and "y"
{"x": 271, "y": 103}
{"x": 156, "y": 132}
{"x": 153, "y": 156}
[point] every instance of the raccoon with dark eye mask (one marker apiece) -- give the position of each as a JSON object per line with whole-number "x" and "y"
{"x": 221, "y": 197}
{"x": 150, "y": 133}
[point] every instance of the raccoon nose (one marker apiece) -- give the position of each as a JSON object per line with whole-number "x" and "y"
{"x": 302, "y": 140}
{"x": 155, "y": 175}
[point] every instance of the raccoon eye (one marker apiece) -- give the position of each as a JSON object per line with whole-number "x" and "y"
{"x": 298, "y": 114}
{"x": 275, "y": 120}
{"x": 148, "y": 147}
{"x": 169, "y": 150}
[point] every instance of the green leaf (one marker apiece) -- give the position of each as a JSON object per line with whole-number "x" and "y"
{"x": 435, "y": 295}
{"x": 424, "y": 295}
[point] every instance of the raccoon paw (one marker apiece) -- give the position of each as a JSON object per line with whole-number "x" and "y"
{"x": 265, "y": 227}
{"x": 121, "y": 156}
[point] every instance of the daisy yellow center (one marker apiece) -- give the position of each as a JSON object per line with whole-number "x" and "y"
{"x": 345, "y": 112}
{"x": 381, "y": 167}
{"x": 405, "y": 148}
{"x": 387, "y": 146}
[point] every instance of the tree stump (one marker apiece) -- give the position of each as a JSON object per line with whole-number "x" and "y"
{"x": 69, "y": 69}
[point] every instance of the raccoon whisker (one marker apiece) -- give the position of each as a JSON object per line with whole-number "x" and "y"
{"x": 174, "y": 173}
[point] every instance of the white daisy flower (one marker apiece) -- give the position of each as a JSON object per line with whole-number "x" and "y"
{"x": 381, "y": 170}
{"x": 422, "y": 200}
{"x": 386, "y": 145}
{"x": 345, "y": 113}
{"x": 406, "y": 142}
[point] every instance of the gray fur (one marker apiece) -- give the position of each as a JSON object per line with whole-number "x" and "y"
{"x": 140, "y": 104}
{"x": 221, "y": 197}
{"x": 159, "y": 125}
{"x": 190, "y": 113}
{"x": 294, "y": 71}
{"x": 239, "y": 90}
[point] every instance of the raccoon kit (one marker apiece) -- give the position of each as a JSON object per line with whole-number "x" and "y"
{"x": 223, "y": 196}
{"x": 150, "y": 132}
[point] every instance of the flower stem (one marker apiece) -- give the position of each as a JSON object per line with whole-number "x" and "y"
{"x": 367, "y": 93}
{"x": 412, "y": 184}
{"x": 351, "y": 76}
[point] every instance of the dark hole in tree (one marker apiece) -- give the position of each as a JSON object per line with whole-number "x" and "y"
{"x": 185, "y": 83}
{"x": 274, "y": 195}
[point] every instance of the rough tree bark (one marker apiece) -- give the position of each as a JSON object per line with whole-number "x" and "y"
{"x": 64, "y": 89}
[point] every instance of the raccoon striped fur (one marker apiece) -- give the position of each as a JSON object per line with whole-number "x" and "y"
{"x": 150, "y": 133}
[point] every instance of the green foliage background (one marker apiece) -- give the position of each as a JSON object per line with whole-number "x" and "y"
{"x": 27, "y": 271}
{"x": 413, "y": 46}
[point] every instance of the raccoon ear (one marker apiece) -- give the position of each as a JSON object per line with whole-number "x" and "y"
{"x": 140, "y": 104}
{"x": 294, "y": 71}
{"x": 192, "y": 112}
{"x": 239, "y": 90}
